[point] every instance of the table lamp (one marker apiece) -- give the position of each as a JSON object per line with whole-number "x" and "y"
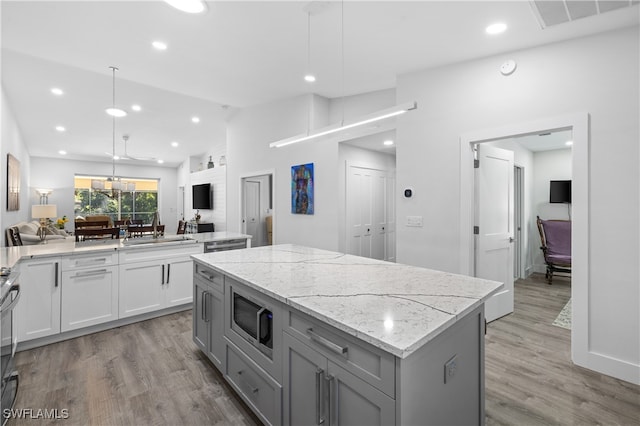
{"x": 43, "y": 212}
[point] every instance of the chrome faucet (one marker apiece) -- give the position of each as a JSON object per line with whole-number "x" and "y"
{"x": 155, "y": 223}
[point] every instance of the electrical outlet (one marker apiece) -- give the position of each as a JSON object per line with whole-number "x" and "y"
{"x": 450, "y": 368}
{"x": 414, "y": 221}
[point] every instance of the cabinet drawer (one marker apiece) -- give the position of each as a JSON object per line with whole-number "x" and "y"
{"x": 208, "y": 275}
{"x": 367, "y": 362}
{"x": 82, "y": 261}
{"x": 258, "y": 389}
{"x": 224, "y": 245}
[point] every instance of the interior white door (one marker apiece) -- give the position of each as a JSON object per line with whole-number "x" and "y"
{"x": 494, "y": 218}
{"x": 359, "y": 217}
{"x": 378, "y": 215}
{"x": 251, "y": 217}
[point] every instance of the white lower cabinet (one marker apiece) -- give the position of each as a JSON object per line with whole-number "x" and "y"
{"x": 38, "y": 311}
{"x": 89, "y": 297}
{"x": 156, "y": 278}
{"x": 208, "y": 322}
{"x": 318, "y": 391}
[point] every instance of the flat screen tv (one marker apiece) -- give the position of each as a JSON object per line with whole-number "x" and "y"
{"x": 202, "y": 196}
{"x": 560, "y": 191}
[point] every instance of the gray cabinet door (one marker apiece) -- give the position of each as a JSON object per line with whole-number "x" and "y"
{"x": 215, "y": 314}
{"x": 200, "y": 321}
{"x": 355, "y": 402}
{"x": 304, "y": 371}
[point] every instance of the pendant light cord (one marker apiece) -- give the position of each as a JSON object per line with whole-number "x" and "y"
{"x": 309, "y": 68}
{"x": 342, "y": 54}
{"x": 113, "y": 128}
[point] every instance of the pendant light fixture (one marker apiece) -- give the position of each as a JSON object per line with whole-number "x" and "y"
{"x": 350, "y": 124}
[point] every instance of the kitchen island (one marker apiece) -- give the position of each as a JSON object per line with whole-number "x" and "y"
{"x": 308, "y": 336}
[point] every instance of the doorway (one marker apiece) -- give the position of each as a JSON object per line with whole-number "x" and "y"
{"x": 257, "y": 208}
{"x": 579, "y": 126}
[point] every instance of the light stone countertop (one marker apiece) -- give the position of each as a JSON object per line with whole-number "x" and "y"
{"x": 10, "y": 256}
{"x": 397, "y": 308}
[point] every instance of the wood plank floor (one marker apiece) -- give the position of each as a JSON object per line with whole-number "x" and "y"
{"x": 529, "y": 376}
{"x": 151, "y": 373}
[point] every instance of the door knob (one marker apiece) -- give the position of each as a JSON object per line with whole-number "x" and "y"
{"x": 511, "y": 239}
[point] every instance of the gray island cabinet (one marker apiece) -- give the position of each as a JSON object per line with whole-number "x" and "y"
{"x": 308, "y": 336}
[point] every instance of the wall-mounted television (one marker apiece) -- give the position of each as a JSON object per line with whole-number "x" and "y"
{"x": 560, "y": 191}
{"x": 202, "y": 197}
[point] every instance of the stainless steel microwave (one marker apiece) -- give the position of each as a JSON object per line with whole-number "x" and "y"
{"x": 253, "y": 321}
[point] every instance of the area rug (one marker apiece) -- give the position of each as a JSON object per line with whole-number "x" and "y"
{"x": 564, "y": 317}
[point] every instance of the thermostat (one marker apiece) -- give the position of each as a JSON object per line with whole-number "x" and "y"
{"x": 408, "y": 193}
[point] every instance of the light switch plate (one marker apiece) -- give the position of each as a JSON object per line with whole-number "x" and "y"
{"x": 414, "y": 221}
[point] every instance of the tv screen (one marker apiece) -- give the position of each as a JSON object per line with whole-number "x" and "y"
{"x": 202, "y": 196}
{"x": 560, "y": 191}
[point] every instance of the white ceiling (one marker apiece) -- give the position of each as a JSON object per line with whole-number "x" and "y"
{"x": 237, "y": 54}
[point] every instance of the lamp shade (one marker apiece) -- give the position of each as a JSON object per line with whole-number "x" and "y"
{"x": 44, "y": 211}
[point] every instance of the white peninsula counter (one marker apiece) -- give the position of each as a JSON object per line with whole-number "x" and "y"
{"x": 309, "y": 336}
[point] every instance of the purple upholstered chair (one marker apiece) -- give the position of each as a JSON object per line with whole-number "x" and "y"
{"x": 555, "y": 236}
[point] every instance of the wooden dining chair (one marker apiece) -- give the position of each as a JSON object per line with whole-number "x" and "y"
{"x": 182, "y": 226}
{"x": 93, "y": 224}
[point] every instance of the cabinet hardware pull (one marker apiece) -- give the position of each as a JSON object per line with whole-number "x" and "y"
{"x": 56, "y": 272}
{"x": 332, "y": 396}
{"x": 168, "y": 272}
{"x": 162, "y": 283}
{"x": 90, "y": 273}
{"x": 203, "y": 302}
{"x": 319, "y": 397}
{"x": 251, "y": 388}
{"x": 90, "y": 261}
{"x": 209, "y": 277}
{"x": 341, "y": 350}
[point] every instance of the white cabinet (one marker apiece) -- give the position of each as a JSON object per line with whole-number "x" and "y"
{"x": 155, "y": 278}
{"x": 90, "y": 291}
{"x": 38, "y": 311}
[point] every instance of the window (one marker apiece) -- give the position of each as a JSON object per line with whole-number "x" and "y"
{"x": 94, "y": 195}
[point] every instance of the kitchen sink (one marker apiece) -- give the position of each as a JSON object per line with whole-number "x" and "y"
{"x": 150, "y": 240}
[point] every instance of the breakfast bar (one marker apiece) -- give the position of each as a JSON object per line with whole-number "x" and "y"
{"x": 309, "y": 336}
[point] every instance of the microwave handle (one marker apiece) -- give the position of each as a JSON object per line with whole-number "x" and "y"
{"x": 258, "y": 315}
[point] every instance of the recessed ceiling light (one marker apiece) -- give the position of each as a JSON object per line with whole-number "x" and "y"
{"x": 174, "y": 144}
{"x": 57, "y": 91}
{"x": 568, "y": 143}
{"x": 62, "y": 152}
{"x": 60, "y": 128}
{"x": 189, "y": 6}
{"x": 136, "y": 107}
{"x": 388, "y": 142}
{"x": 496, "y": 28}
{"x": 195, "y": 119}
{"x": 159, "y": 45}
{"x": 160, "y": 161}
{"x": 116, "y": 112}
{"x": 116, "y": 157}
{"x": 309, "y": 78}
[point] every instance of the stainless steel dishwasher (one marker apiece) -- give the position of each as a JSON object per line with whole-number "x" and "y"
{"x": 223, "y": 245}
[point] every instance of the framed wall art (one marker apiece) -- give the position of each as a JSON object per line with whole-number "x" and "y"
{"x": 302, "y": 201}
{"x": 13, "y": 183}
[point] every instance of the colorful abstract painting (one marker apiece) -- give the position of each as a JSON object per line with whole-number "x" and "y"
{"x": 302, "y": 201}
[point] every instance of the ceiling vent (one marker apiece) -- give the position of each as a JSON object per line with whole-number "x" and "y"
{"x": 557, "y": 12}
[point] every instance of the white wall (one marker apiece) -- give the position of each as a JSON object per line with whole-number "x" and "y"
{"x": 59, "y": 175}
{"x": 12, "y": 143}
{"x": 361, "y": 158}
{"x": 217, "y": 178}
{"x": 549, "y": 165}
{"x": 558, "y": 79}
{"x": 249, "y": 133}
